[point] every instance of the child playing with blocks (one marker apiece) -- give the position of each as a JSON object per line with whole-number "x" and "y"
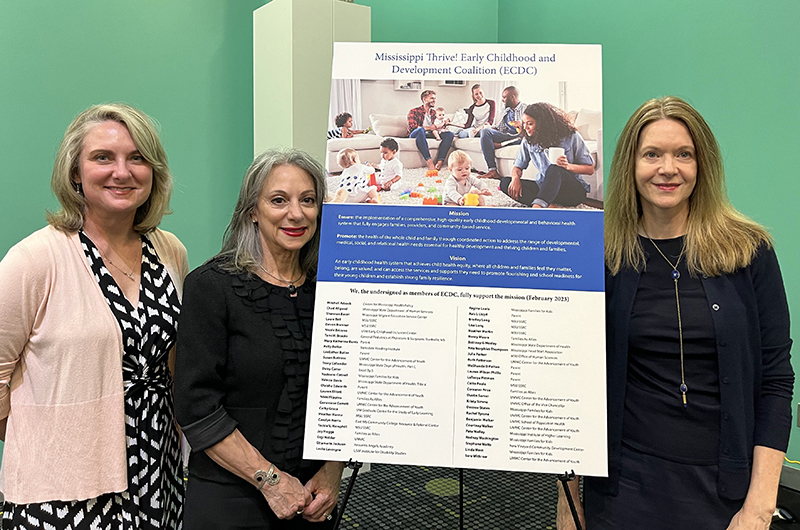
{"x": 355, "y": 184}
{"x": 461, "y": 182}
{"x": 390, "y": 167}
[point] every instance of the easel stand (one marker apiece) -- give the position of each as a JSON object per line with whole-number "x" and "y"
{"x": 569, "y": 477}
{"x": 461, "y": 498}
{"x": 355, "y": 466}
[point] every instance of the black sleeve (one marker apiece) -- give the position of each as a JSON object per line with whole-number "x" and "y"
{"x": 201, "y": 359}
{"x": 774, "y": 409}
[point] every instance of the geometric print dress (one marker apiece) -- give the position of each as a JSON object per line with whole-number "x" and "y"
{"x": 154, "y": 498}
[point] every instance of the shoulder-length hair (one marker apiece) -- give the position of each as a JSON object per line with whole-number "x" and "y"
{"x": 552, "y": 125}
{"x": 241, "y": 247}
{"x": 142, "y": 128}
{"x": 719, "y": 239}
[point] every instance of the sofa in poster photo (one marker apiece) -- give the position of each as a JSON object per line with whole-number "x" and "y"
{"x": 588, "y": 122}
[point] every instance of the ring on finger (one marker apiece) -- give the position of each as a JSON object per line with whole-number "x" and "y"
{"x": 328, "y": 516}
{"x": 300, "y": 511}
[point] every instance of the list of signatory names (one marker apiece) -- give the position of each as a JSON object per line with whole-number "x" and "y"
{"x": 484, "y": 361}
{"x": 379, "y": 377}
{"x": 469, "y": 381}
{"x": 541, "y": 426}
{"x": 333, "y": 395}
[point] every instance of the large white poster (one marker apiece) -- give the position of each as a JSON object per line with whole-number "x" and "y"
{"x": 466, "y": 336}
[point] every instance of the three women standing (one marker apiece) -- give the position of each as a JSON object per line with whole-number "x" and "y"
{"x": 699, "y": 376}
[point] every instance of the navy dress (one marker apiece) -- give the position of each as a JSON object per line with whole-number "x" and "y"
{"x": 669, "y": 464}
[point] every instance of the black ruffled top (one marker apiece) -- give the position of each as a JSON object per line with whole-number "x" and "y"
{"x": 242, "y": 363}
{"x": 290, "y": 318}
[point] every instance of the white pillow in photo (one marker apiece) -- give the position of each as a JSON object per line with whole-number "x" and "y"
{"x": 588, "y": 122}
{"x": 459, "y": 118}
{"x": 389, "y": 125}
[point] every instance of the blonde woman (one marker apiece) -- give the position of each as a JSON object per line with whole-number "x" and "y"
{"x": 88, "y": 313}
{"x": 699, "y": 376}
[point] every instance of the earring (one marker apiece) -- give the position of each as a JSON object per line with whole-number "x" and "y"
{"x": 78, "y": 188}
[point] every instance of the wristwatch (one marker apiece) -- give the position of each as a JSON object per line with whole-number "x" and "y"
{"x": 270, "y": 477}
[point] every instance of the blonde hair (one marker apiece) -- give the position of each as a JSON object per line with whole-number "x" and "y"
{"x": 458, "y": 157}
{"x": 719, "y": 239}
{"x": 70, "y": 217}
{"x": 241, "y": 247}
{"x": 347, "y": 157}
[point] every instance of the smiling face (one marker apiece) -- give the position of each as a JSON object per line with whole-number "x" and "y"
{"x": 666, "y": 169}
{"x": 429, "y": 100}
{"x": 477, "y": 96}
{"x": 116, "y": 178}
{"x": 510, "y": 98}
{"x": 529, "y": 124}
{"x": 286, "y": 211}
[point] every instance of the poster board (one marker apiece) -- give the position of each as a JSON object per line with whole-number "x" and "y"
{"x": 460, "y": 336}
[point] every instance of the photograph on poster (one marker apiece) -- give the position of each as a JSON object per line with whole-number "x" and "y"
{"x": 568, "y": 108}
{"x": 478, "y": 326}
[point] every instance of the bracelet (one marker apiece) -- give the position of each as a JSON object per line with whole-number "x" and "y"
{"x": 270, "y": 477}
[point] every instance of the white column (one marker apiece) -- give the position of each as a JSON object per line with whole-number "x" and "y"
{"x": 292, "y": 54}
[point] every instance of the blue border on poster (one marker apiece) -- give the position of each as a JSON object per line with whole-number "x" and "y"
{"x": 519, "y": 248}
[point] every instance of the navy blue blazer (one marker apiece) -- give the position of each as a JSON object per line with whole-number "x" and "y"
{"x": 751, "y": 323}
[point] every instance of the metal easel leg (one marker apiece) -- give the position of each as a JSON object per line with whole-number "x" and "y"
{"x": 355, "y": 466}
{"x": 461, "y": 499}
{"x": 569, "y": 477}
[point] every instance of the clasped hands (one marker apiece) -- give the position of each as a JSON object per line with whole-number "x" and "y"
{"x": 315, "y": 500}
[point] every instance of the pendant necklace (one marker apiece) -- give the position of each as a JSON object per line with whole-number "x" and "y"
{"x": 675, "y": 275}
{"x": 291, "y": 287}
{"x": 130, "y": 275}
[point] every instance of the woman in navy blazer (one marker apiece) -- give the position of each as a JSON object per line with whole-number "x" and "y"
{"x": 699, "y": 375}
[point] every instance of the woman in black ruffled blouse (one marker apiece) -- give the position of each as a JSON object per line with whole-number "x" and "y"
{"x": 243, "y": 357}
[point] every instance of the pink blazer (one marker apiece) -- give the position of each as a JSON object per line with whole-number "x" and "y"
{"x": 61, "y": 357}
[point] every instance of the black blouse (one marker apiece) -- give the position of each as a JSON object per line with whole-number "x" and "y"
{"x": 655, "y": 420}
{"x": 242, "y": 362}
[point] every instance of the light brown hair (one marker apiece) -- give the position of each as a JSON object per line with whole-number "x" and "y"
{"x": 719, "y": 239}
{"x": 347, "y": 157}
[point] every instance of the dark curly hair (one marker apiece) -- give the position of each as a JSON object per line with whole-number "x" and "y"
{"x": 552, "y": 125}
{"x": 342, "y": 118}
{"x": 390, "y": 144}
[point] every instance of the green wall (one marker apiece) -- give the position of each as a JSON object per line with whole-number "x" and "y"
{"x": 737, "y": 62}
{"x": 188, "y": 63}
{"x": 433, "y": 21}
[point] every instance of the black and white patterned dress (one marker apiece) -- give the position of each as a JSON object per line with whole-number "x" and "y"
{"x": 154, "y": 498}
